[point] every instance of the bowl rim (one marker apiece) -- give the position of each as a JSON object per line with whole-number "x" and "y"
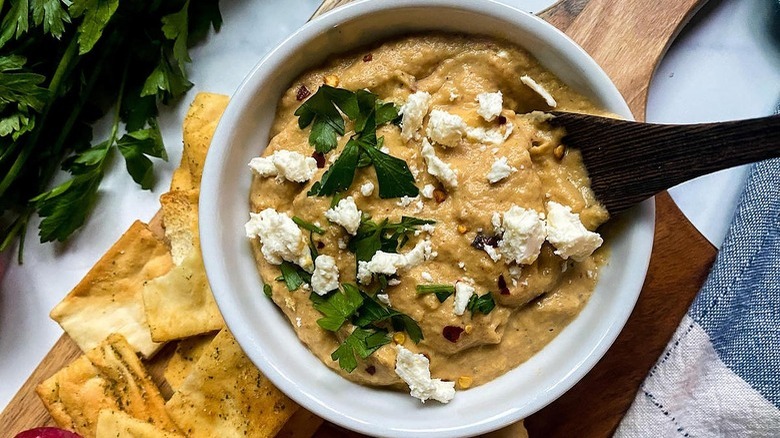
{"x": 210, "y": 195}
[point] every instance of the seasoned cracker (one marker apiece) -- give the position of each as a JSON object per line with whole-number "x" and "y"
{"x": 179, "y": 304}
{"x": 109, "y": 298}
{"x": 117, "y": 424}
{"x": 187, "y": 353}
{"x": 110, "y": 376}
{"x": 226, "y": 395}
{"x": 199, "y": 125}
{"x": 180, "y": 219}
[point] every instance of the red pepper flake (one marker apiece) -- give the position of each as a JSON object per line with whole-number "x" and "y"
{"x": 482, "y": 240}
{"x": 439, "y": 195}
{"x": 452, "y": 333}
{"x": 371, "y": 370}
{"x": 368, "y": 57}
{"x": 319, "y": 157}
{"x": 320, "y": 245}
{"x": 501, "y": 120}
{"x": 302, "y": 93}
{"x": 502, "y": 285}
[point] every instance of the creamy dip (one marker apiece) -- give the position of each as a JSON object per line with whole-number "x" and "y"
{"x": 534, "y": 302}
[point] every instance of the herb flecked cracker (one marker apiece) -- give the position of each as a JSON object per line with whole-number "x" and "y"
{"x": 118, "y": 424}
{"x": 199, "y": 125}
{"x": 110, "y": 376}
{"x": 183, "y": 360}
{"x": 226, "y": 395}
{"x": 109, "y": 298}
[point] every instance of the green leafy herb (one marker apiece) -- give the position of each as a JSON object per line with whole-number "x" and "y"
{"x": 293, "y": 275}
{"x": 362, "y": 149}
{"x": 322, "y": 109}
{"x": 64, "y": 65}
{"x": 442, "y": 291}
{"x": 386, "y": 236}
{"x": 267, "y": 290}
{"x": 372, "y": 312}
{"x": 481, "y": 304}
{"x": 308, "y": 226}
{"x": 337, "y": 307}
{"x": 361, "y": 342}
{"x": 340, "y": 174}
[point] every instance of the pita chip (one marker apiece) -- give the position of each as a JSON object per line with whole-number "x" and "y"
{"x": 179, "y": 304}
{"x": 183, "y": 360}
{"x": 226, "y": 395}
{"x": 109, "y": 298}
{"x": 110, "y": 376}
{"x": 117, "y": 424}
{"x": 180, "y": 219}
{"x": 199, "y": 126}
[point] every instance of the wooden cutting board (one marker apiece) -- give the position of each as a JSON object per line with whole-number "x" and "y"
{"x": 627, "y": 38}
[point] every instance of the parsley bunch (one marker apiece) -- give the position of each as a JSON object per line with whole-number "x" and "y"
{"x": 370, "y": 318}
{"x": 364, "y": 108}
{"x": 65, "y": 64}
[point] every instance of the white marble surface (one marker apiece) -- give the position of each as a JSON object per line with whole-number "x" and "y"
{"x": 722, "y": 67}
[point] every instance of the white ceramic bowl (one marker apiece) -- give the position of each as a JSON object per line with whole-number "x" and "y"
{"x": 265, "y": 334}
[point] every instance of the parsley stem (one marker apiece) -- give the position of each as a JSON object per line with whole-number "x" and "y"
{"x": 66, "y": 64}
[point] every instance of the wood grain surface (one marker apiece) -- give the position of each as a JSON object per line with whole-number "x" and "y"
{"x": 627, "y": 38}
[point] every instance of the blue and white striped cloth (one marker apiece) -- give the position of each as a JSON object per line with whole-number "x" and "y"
{"x": 720, "y": 373}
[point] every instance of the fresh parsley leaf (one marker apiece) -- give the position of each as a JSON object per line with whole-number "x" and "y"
{"x": 338, "y": 306}
{"x": 267, "y": 290}
{"x": 306, "y": 225}
{"x": 16, "y": 21}
{"x": 293, "y": 275}
{"x": 373, "y": 312}
{"x": 135, "y": 146}
{"x": 203, "y": 14}
{"x": 442, "y": 291}
{"x": 361, "y": 342}
{"x": 369, "y": 103}
{"x": 96, "y": 14}
{"x": 64, "y": 208}
{"x": 51, "y": 15}
{"x": 322, "y": 108}
{"x": 167, "y": 81}
{"x": 386, "y": 236}
{"x": 340, "y": 174}
{"x": 18, "y": 88}
{"x": 482, "y": 304}
{"x": 393, "y": 175}
{"x": 175, "y": 28}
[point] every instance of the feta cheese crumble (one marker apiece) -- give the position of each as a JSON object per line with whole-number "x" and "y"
{"x": 492, "y": 136}
{"x": 346, "y": 214}
{"x": 384, "y": 299}
{"x": 500, "y": 170}
{"x": 326, "y": 275}
{"x": 280, "y": 237}
{"x": 463, "y": 291}
{"x": 414, "y": 369}
{"x": 284, "y": 164}
{"x": 490, "y": 105}
{"x": 445, "y": 128}
{"x": 523, "y": 235}
{"x": 412, "y": 114}
{"x": 367, "y": 188}
{"x": 426, "y": 276}
{"x": 390, "y": 263}
{"x": 568, "y": 235}
{"x": 427, "y": 191}
{"x": 437, "y": 167}
{"x": 532, "y": 84}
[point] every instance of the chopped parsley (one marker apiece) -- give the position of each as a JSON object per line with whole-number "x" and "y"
{"x": 361, "y": 342}
{"x": 385, "y": 235}
{"x": 267, "y": 290}
{"x": 481, "y": 304}
{"x": 442, "y": 291}
{"x": 308, "y": 226}
{"x": 362, "y": 149}
{"x": 293, "y": 276}
{"x": 338, "y": 306}
{"x": 372, "y": 312}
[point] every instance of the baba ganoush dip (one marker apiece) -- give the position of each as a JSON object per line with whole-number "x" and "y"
{"x": 418, "y": 220}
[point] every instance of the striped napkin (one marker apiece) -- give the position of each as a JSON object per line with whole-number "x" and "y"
{"x": 720, "y": 373}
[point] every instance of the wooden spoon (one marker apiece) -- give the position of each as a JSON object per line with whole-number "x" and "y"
{"x": 629, "y": 162}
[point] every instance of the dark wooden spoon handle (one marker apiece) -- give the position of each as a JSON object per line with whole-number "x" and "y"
{"x": 630, "y": 161}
